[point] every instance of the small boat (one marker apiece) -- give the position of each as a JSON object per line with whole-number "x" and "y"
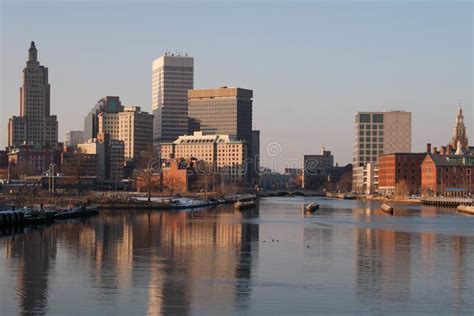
{"x": 387, "y": 208}
{"x": 311, "y": 207}
{"x": 243, "y": 205}
{"x": 467, "y": 209}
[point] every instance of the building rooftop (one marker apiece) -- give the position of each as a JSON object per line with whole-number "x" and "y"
{"x": 220, "y": 93}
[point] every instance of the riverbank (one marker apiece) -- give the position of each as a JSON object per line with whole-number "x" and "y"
{"x": 157, "y": 203}
{"x": 391, "y": 200}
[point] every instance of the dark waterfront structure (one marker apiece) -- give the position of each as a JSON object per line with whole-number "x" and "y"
{"x": 316, "y": 169}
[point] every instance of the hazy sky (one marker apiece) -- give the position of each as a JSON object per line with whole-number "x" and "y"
{"x": 311, "y": 65}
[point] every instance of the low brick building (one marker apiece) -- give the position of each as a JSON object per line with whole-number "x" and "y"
{"x": 400, "y": 173}
{"x": 447, "y": 175}
{"x": 29, "y": 160}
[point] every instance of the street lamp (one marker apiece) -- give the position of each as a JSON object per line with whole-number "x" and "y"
{"x": 51, "y": 178}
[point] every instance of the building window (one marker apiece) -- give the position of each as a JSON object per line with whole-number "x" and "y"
{"x": 377, "y": 118}
{"x": 364, "y": 118}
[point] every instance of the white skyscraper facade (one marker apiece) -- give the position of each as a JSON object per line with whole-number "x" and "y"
{"x": 172, "y": 77}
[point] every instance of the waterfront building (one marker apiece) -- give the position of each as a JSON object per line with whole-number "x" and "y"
{"x": 132, "y": 126}
{"x": 76, "y": 164}
{"x": 447, "y": 174}
{"x": 32, "y": 159}
{"x": 459, "y": 132}
{"x": 108, "y": 104}
{"x": 177, "y": 175}
{"x": 377, "y": 133}
{"x": 400, "y": 173}
{"x": 110, "y": 157}
{"x": 35, "y": 123}
{"x": 270, "y": 180}
{"x": 293, "y": 172}
{"x": 73, "y": 138}
{"x": 316, "y": 169}
{"x": 172, "y": 77}
{"x": 225, "y": 154}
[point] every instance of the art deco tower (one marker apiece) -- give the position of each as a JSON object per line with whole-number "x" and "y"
{"x": 459, "y": 131}
{"x": 35, "y": 124}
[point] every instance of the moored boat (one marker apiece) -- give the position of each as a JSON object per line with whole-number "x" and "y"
{"x": 311, "y": 207}
{"x": 387, "y": 208}
{"x": 244, "y": 205}
{"x": 467, "y": 209}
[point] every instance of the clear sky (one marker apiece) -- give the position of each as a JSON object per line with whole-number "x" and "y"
{"x": 311, "y": 65}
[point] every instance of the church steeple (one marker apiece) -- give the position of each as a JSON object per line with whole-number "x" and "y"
{"x": 459, "y": 131}
{"x": 32, "y": 52}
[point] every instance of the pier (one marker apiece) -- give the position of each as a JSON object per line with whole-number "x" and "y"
{"x": 447, "y": 202}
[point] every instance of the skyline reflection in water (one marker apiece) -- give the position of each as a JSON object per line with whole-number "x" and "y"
{"x": 346, "y": 258}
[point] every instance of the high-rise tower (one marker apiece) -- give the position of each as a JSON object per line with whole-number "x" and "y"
{"x": 459, "y": 131}
{"x": 35, "y": 124}
{"x": 173, "y": 76}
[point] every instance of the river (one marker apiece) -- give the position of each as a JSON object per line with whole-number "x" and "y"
{"x": 347, "y": 258}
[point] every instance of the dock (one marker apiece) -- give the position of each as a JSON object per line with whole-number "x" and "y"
{"x": 446, "y": 202}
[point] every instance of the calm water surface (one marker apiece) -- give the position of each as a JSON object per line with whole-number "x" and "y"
{"x": 347, "y": 258}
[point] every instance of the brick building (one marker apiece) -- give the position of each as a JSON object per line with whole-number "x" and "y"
{"x": 447, "y": 175}
{"x": 31, "y": 160}
{"x": 400, "y": 173}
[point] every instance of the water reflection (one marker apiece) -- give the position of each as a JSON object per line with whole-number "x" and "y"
{"x": 176, "y": 256}
{"x": 347, "y": 257}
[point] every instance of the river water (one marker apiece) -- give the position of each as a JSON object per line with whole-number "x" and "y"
{"x": 347, "y": 258}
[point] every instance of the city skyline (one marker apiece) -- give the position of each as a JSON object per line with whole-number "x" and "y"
{"x": 442, "y": 76}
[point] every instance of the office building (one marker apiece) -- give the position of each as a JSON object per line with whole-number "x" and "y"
{"x": 225, "y": 111}
{"x": 109, "y": 104}
{"x": 109, "y": 156}
{"x": 377, "y": 133}
{"x": 316, "y": 169}
{"x": 172, "y": 77}
{"x": 73, "y": 138}
{"x": 35, "y": 124}
{"x": 132, "y": 126}
{"x": 226, "y": 155}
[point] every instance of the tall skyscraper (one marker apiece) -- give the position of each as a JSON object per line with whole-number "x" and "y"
{"x": 377, "y": 133}
{"x": 459, "y": 131}
{"x": 35, "y": 124}
{"x": 224, "y": 111}
{"x": 172, "y": 77}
